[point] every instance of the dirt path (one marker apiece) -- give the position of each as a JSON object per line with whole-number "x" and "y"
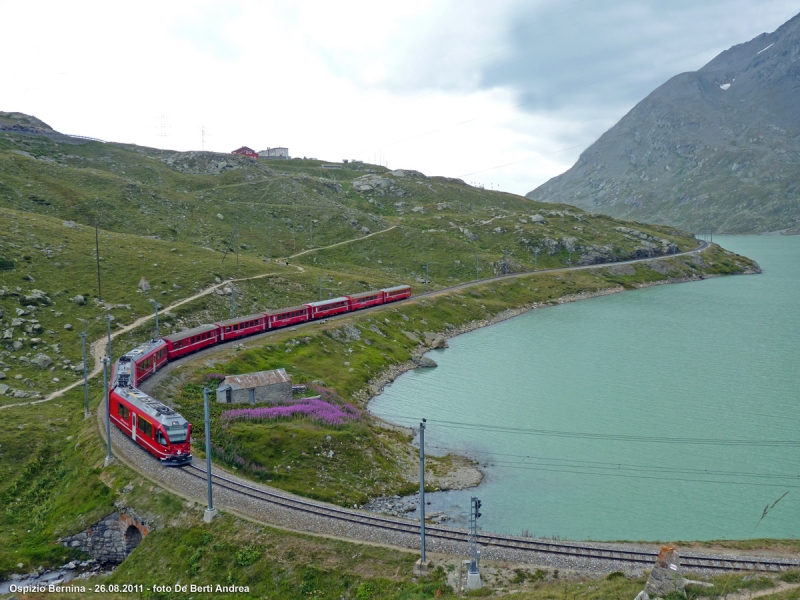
{"x": 98, "y": 346}
{"x": 778, "y": 589}
{"x": 342, "y": 243}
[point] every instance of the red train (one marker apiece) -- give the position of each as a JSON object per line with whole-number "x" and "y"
{"x": 158, "y": 428}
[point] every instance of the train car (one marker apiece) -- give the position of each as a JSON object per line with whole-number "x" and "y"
{"x": 365, "y": 299}
{"x": 191, "y": 340}
{"x": 140, "y": 363}
{"x": 154, "y": 426}
{"x": 328, "y": 308}
{"x": 241, "y": 326}
{"x": 282, "y": 317}
{"x": 398, "y": 292}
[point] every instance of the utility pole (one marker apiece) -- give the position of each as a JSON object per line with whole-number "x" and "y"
{"x": 422, "y": 563}
{"x": 97, "y": 256}
{"x": 85, "y": 375}
{"x": 155, "y": 304}
{"x": 210, "y": 512}
{"x": 108, "y": 326}
{"x": 109, "y": 457}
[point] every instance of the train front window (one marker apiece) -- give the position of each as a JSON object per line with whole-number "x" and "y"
{"x": 177, "y": 433}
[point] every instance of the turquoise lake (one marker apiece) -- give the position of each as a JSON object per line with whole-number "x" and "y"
{"x": 667, "y": 413}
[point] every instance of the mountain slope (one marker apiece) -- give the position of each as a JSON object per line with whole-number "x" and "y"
{"x": 279, "y": 208}
{"x": 717, "y": 148}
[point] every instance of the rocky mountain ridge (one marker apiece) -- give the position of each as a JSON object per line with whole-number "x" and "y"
{"x": 718, "y": 148}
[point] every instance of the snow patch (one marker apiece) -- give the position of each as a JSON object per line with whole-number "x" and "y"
{"x": 725, "y": 86}
{"x": 767, "y": 48}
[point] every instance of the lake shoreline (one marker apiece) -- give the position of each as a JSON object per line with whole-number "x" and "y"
{"x": 464, "y": 474}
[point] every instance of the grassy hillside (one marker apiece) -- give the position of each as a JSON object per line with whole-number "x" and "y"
{"x": 170, "y": 218}
{"x": 59, "y": 261}
{"x": 278, "y": 208}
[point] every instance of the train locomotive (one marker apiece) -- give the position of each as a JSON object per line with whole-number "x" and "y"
{"x": 157, "y": 427}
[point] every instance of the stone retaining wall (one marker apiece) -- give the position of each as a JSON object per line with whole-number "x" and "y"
{"x": 112, "y": 539}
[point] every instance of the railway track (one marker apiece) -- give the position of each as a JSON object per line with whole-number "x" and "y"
{"x": 403, "y": 526}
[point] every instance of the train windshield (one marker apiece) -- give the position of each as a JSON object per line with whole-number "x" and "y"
{"x": 177, "y": 433}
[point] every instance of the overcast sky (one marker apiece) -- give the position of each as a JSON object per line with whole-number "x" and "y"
{"x": 505, "y": 93}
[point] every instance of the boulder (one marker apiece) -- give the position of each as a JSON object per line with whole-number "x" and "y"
{"x": 144, "y": 285}
{"x": 4, "y": 389}
{"x": 8, "y": 334}
{"x": 70, "y": 224}
{"x": 220, "y": 217}
{"x": 79, "y": 300}
{"x": 424, "y": 362}
{"x": 435, "y": 340}
{"x": 35, "y": 297}
{"x": 666, "y": 576}
{"x": 537, "y": 219}
{"x": 42, "y": 361}
{"x": 412, "y": 336}
{"x": 2, "y": 374}
{"x": 68, "y": 326}
{"x": 17, "y": 345}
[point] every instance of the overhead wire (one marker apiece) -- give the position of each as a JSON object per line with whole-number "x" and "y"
{"x": 593, "y": 464}
{"x": 604, "y": 436}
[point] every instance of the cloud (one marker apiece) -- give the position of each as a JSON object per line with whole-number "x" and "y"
{"x": 451, "y": 87}
{"x": 611, "y": 54}
{"x": 203, "y": 26}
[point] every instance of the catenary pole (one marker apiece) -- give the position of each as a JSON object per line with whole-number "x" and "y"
{"x": 108, "y": 326}
{"x": 155, "y": 304}
{"x": 97, "y": 256}
{"x": 210, "y": 511}
{"x": 85, "y": 373}
{"x": 422, "y": 489}
{"x": 109, "y": 456}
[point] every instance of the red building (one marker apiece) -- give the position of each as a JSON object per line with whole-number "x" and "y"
{"x": 245, "y": 151}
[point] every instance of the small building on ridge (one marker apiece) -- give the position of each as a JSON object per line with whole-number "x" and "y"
{"x": 279, "y": 152}
{"x": 245, "y": 151}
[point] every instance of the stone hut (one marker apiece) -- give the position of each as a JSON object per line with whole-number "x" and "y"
{"x": 251, "y": 388}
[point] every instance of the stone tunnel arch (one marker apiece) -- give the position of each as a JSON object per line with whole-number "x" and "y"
{"x": 133, "y": 537}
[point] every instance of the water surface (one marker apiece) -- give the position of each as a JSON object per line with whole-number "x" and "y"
{"x": 704, "y": 375}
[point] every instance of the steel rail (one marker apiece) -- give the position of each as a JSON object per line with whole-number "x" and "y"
{"x": 488, "y": 540}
